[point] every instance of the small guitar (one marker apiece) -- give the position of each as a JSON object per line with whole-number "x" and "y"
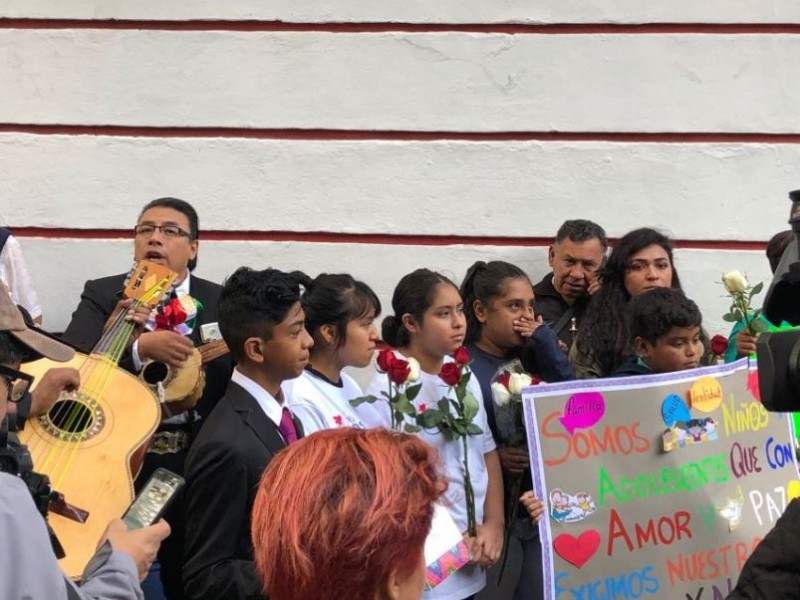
{"x": 179, "y": 389}
{"x": 91, "y": 444}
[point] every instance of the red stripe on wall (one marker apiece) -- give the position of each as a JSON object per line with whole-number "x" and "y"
{"x": 368, "y": 135}
{"x": 327, "y": 237}
{"x": 390, "y": 27}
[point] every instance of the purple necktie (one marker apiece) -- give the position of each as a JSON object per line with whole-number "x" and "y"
{"x": 286, "y": 427}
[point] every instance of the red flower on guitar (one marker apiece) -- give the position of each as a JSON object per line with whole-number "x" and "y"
{"x": 170, "y": 316}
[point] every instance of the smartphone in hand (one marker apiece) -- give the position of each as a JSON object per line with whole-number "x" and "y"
{"x": 151, "y": 503}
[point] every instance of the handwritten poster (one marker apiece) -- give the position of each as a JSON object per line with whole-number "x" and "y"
{"x": 656, "y": 486}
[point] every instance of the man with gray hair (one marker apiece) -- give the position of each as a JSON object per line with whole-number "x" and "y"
{"x": 576, "y": 257}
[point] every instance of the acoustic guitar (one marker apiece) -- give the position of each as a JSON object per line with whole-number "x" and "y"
{"x": 92, "y": 443}
{"x": 179, "y": 389}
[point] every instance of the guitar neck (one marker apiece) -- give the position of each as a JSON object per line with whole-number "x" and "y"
{"x": 212, "y": 350}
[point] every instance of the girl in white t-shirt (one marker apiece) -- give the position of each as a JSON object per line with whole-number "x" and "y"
{"x": 429, "y": 324}
{"x": 340, "y": 316}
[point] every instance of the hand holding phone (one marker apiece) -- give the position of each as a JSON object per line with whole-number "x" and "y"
{"x": 140, "y": 544}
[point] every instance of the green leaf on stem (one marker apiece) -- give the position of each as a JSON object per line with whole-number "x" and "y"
{"x": 403, "y": 405}
{"x": 459, "y": 428}
{"x": 473, "y": 429}
{"x": 756, "y": 289}
{"x": 413, "y": 391}
{"x": 361, "y": 399}
{"x": 408, "y": 428}
{"x": 470, "y": 407}
{"x": 430, "y": 418}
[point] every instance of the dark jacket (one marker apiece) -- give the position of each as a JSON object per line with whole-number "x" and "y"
{"x": 773, "y": 570}
{"x": 630, "y": 367}
{"x": 100, "y": 297}
{"x": 551, "y": 306}
{"x": 223, "y": 470}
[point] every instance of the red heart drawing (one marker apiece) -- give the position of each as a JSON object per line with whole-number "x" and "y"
{"x": 752, "y": 385}
{"x": 577, "y": 550}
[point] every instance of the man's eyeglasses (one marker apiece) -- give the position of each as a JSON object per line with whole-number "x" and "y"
{"x": 17, "y": 382}
{"x": 168, "y": 231}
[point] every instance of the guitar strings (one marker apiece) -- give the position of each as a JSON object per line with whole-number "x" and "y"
{"x": 86, "y": 376}
{"x": 96, "y": 373}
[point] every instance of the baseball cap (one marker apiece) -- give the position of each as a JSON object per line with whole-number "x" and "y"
{"x": 39, "y": 344}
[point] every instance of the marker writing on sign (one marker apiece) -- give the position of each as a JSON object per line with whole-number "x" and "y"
{"x": 708, "y": 565}
{"x": 583, "y": 410}
{"x": 628, "y": 584}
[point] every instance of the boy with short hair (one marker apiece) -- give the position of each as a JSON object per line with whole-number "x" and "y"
{"x": 263, "y": 324}
{"x": 665, "y": 327}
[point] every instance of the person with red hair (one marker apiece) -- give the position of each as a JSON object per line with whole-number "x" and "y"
{"x": 345, "y": 512}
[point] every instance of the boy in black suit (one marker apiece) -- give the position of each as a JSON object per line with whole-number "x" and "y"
{"x": 263, "y": 324}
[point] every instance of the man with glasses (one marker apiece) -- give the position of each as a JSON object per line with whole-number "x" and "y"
{"x": 28, "y": 566}
{"x": 166, "y": 232}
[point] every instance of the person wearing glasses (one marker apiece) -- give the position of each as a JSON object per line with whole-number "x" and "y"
{"x": 28, "y": 566}
{"x": 166, "y": 232}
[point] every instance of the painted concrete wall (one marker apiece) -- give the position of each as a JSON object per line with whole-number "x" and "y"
{"x": 375, "y": 137}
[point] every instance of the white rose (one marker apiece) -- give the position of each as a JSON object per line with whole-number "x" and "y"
{"x": 518, "y": 382}
{"x": 500, "y": 394}
{"x": 734, "y": 282}
{"x": 413, "y": 374}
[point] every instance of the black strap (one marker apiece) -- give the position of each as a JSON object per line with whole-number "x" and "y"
{"x": 563, "y": 320}
{"x": 4, "y": 235}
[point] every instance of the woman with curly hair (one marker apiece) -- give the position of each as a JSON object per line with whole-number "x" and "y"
{"x": 640, "y": 261}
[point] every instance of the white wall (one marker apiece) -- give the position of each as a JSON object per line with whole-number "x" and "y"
{"x": 449, "y": 143}
{"x": 419, "y": 11}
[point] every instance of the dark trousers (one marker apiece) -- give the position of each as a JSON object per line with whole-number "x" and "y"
{"x": 170, "y": 555}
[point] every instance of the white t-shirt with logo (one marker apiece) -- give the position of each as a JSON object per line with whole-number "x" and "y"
{"x": 320, "y": 404}
{"x": 472, "y": 578}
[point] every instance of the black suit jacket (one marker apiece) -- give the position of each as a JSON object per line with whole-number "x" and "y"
{"x": 100, "y": 297}
{"x": 223, "y": 470}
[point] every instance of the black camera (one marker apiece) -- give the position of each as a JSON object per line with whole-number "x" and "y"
{"x": 16, "y": 460}
{"x": 779, "y": 352}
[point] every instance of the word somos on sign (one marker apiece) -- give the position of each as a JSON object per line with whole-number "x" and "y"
{"x": 622, "y": 439}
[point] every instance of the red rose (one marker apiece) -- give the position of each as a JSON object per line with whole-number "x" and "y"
{"x": 461, "y": 356}
{"x": 450, "y": 373}
{"x": 536, "y": 380}
{"x": 504, "y": 379}
{"x": 719, "y": 344}
{"x": 385, "y": 359}
{"x": 399, "y": 371}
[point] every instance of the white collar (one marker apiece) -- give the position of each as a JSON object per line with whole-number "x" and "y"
{"x": 183, "y": 286}
{"x": 271, "y": 406}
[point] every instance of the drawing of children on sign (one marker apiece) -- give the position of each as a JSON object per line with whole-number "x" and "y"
{"x": 569, "y": 508}
{"x": 559, "y": 505}
{"x": 695, "y": 431}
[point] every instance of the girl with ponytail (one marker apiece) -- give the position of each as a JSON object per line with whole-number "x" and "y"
{"x": 428, "y": 325}
{"x": 504, "y": 336}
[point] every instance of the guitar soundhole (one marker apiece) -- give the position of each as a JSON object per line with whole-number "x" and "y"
{"x": 73, "y": 419}
{"x": 155, "y": 372}
{"x": 71, "y": 416}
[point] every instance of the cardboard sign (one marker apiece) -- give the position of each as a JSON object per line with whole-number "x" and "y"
{"x": 445, "y": 549}
{"x": 655, "y": 486}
